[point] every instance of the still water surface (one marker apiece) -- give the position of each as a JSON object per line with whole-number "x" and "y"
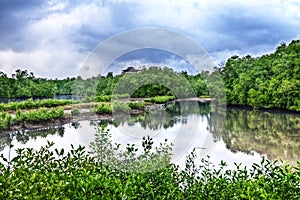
{"x": 232, "y": 135}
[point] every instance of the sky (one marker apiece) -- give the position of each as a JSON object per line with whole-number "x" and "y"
{"x": 53, "y": 38}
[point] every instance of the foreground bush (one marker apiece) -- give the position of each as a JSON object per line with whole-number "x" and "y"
{"x": 48, "y": 174}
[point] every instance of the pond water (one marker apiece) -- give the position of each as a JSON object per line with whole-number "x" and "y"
{"x": 232, "y": 135}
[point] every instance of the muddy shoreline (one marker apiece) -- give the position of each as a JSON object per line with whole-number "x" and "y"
{"x": 54, "y": 122}
{"x": 67, "y": 119}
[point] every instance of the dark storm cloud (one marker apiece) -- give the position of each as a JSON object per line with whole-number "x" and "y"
{"x": 34, "y": 33}
{"x": 14, "y": 16}
{"x": 242, "y": 27}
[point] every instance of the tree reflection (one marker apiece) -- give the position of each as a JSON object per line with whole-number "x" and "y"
{"x": 276, "y": 135}
{"x": 23, "y": 136}
{"x": 163, "y": 117}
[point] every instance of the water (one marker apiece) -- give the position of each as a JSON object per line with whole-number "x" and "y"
{"x": 232, "y": 135}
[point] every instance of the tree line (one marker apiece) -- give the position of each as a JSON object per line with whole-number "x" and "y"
{"x": 269, "y": 81}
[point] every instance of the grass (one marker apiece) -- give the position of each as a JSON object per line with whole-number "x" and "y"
{"x": 103, "y": 98}
{"x": 160, "y": 99}
{"x": 104, "y": 108}
{"x": 56, "y": 174}
{"x": 5, "y": 120}
{"x": 120, "y": 107}
{"x": 42, "y": 114}
{"x": 136, "y": 105}
{"x": 204, "y": 96}
{"x": 30, "y": 104}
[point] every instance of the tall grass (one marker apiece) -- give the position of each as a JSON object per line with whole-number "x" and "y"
{"x": 104, "y": 108}
{"x": 136, "y": 105}
{"x": 160, "y": 99}
{"x": 29, "y": 104}
{"x": 103, "y": 98}
{"x": 42, "y": 114}
{"x": 5, "y": 120}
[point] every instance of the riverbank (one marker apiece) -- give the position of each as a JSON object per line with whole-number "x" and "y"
{"x": 86, "y": 111}
{"x": 270, "y": 110}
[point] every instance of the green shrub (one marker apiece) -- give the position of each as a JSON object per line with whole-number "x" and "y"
{"x": 29, "y": 104}
{"x": 42, "y": 114}
{"x": 103, "y": 98}
{"x": 136, "y": 105}
{"x": 104, "y": 108}
{"x": 120, "y": 96}
{"x": 120, "y": 107}
{"x": 75, "y": 112}
{"x": 87, "y": 99}
{"x": 5, "y": 120}
{"x": 160, "y": 99}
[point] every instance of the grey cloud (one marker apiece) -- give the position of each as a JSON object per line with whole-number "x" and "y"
{"x": 14, "y": 17}
{"x": 222, "y": 28}
{"x": 243, "y": 28}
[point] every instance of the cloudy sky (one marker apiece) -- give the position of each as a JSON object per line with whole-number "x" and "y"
{"x": 52, "y": 38}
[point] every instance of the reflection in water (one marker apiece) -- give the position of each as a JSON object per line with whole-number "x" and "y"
{"x": 164, "y": 117}
{"x": 24, "y": 136}
{"x": 276, "y": 135}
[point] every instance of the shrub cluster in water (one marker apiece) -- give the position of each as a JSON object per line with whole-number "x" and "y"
{"x": 42, "y": 114}
{"x": 108, "y": 108}
{"x": 160, "y": 99}
{"x": 29, "y": 104}
{"x": 47, "y": 174}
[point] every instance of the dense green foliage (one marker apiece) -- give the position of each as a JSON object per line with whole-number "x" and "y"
{"x": 47, "y": 174}
{"x": 270, "y": 81}
{"x": 23, "y": 84}
{"x": 150, "y": 90}
{"x": 149, "y": 81}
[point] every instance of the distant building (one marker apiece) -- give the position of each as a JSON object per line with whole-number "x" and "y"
{"x": 130, "y": 70}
